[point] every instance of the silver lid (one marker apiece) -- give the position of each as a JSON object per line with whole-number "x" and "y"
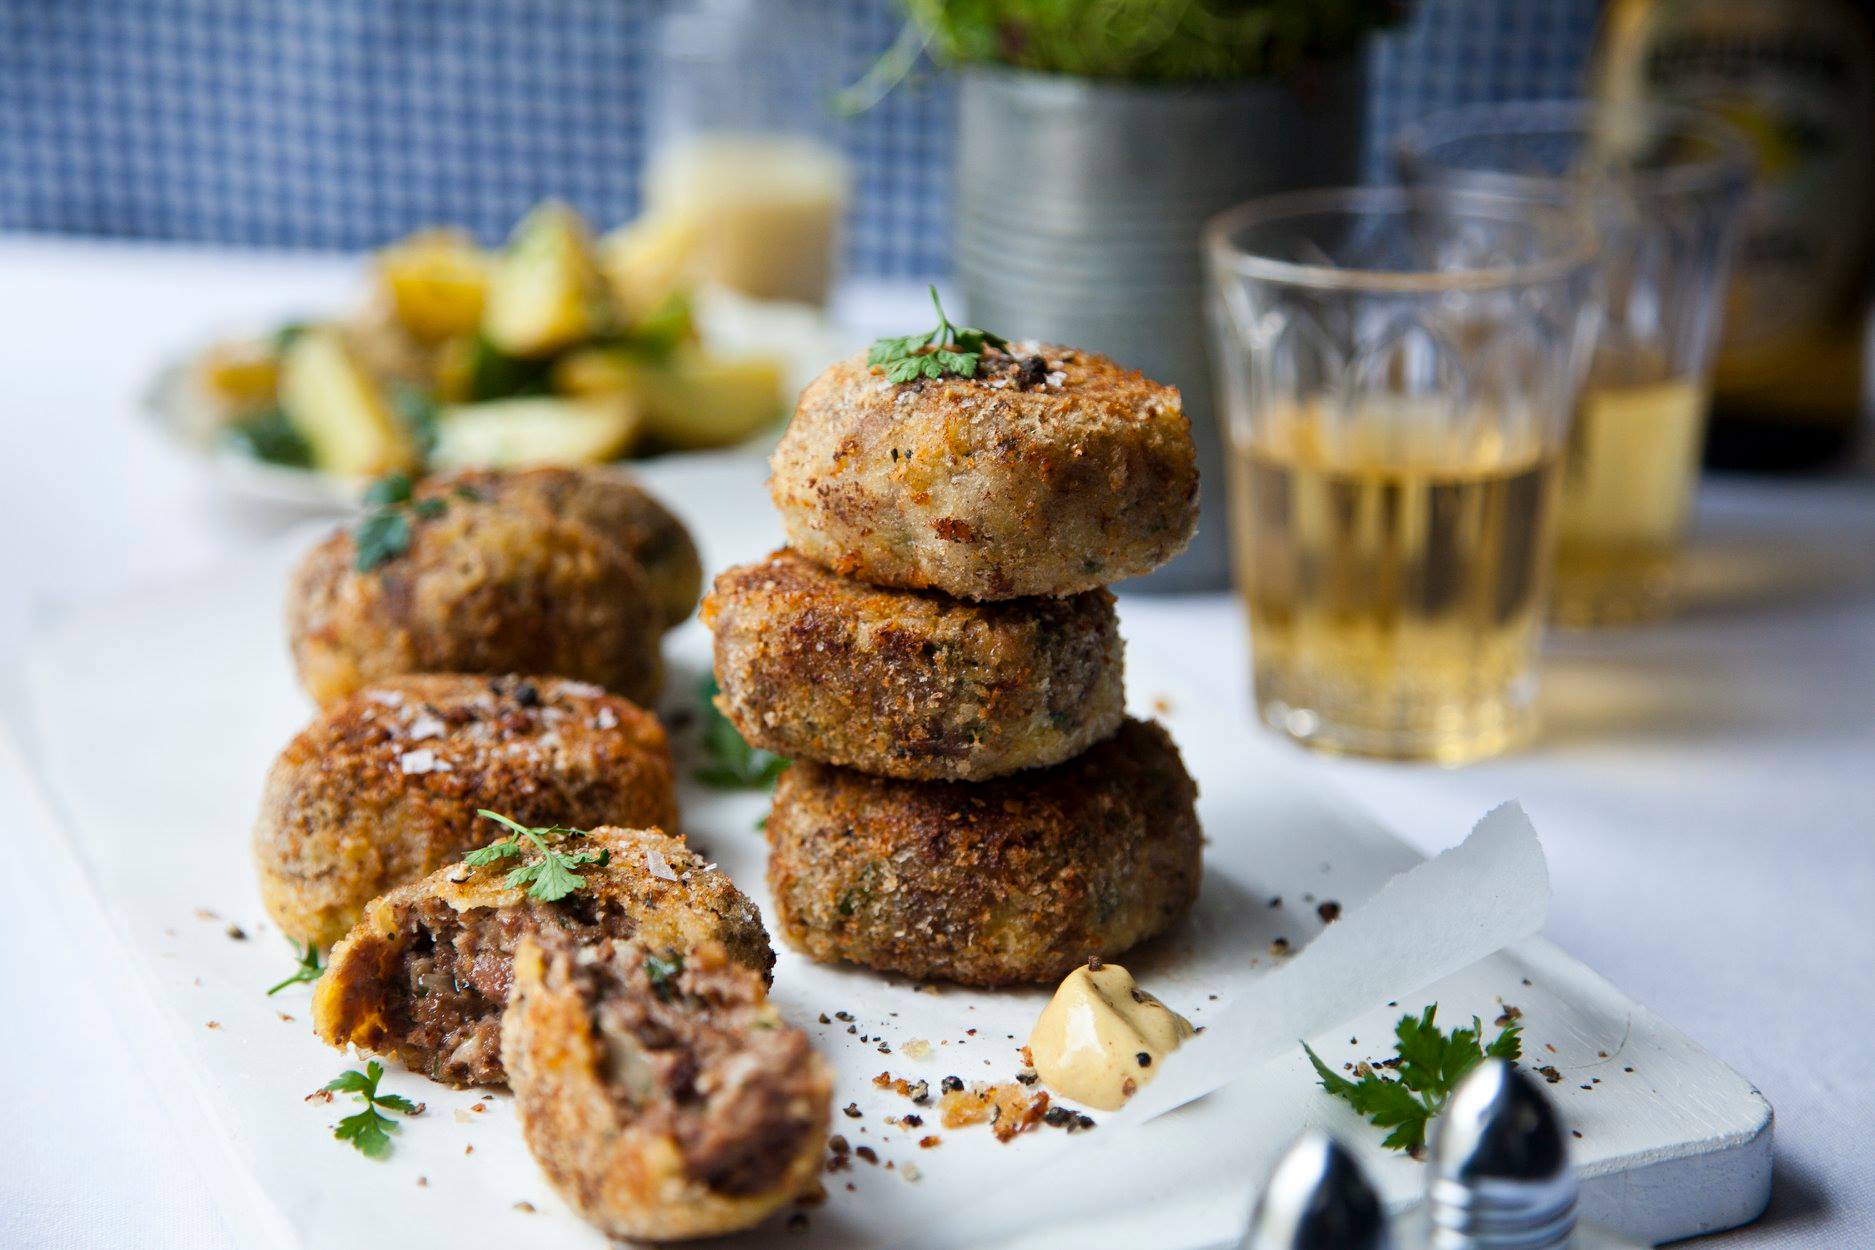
{"x": 1500, "y": 1167}
{"x": 1317, "y": 1199}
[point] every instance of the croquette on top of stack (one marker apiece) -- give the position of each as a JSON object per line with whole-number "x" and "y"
{"x": 938, "y": 651}
{"x": 1050, "y": 471}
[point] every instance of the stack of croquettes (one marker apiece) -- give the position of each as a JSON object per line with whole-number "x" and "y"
{"x": 937, "y": 652}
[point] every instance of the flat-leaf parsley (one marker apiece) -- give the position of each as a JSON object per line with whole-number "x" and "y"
{"x": 549, "y": 878}
{"x": 385, "y": 533}
{"x": 943, "y": 349}
{"x": 730, "y": 763}
{"x": 309, "y": 968}
{"x": 369, "y": 1130}
{"x": 1430, "y": 1066}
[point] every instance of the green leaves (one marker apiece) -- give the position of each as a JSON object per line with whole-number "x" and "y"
{"x": 309, "y": 968}
{"x": 493, "y": 374}
{"x": 381, "y": 536}
{"x": 1149, "y": 40}
{"x": 369, "y": 1130}
{"x": 419, "y": 412}
{"x": 385, "y": 534}
{"x": 663, "y": 970}
{"x": 1430, "y": 1065}
{"x": 388, "y": 491}
{"x": 730, "y": 762}
{"x": 268, "y": 435}
{"x": 662, "y": 330}
{"x": 549, "y": 878}
{"x": 944, "y": 349}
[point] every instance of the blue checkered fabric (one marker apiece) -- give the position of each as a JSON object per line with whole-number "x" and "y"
{"x": 344, "y": 123}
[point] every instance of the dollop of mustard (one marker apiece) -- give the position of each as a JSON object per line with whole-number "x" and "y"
{"x": 1101, "y": 1037}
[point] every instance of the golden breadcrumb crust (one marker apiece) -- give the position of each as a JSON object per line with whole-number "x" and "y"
{"x": 484, "y": 587}
{"x": 988, "y": 883}
{"x": 382, "y": 788}
{"x": 610, "y": 500}
{"x": 1043, "y": 480}
{"x": 911, "y": 684}
{"x": 620, "y": 1156}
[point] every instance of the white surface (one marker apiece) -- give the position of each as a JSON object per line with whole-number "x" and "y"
{"x": 160, "y": 822}
{"x": 1703, "y": 786}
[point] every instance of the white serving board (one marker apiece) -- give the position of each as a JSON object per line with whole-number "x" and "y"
{"x": 154, "y": 718}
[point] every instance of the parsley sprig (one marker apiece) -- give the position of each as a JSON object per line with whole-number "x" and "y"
{"x": 309, "y": 968}
{"x": 730, "y": 762}
{"x": 945, "y": 348}
{"x": 385, "y": 533}
{"x": 549, "y": 878}
{"x": 369, "y": 1130}
{"x": 1430, "y": 1065}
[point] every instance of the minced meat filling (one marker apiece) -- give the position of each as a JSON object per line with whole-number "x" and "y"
{"x": 444, "y": 1016}
{"x": 693, "y": 1052}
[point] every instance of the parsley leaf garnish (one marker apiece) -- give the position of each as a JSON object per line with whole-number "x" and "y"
{"x": 381, "y": 536}
{"x": 549, "y": 878}
{"x": 385, "y": 533}
{"x": 732, "y": 764}
{"x": 309, "y": 968}
{"x": 369, "y": 1130}
{"x": 945, "y": 348}
{"x": 1430, "y": 1065}
{"x": 391, "y": 489}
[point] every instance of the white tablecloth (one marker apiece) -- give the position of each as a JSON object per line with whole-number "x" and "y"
{"x": 1704, "y": 788}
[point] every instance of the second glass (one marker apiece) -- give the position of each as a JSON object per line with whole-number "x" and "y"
{"x": 1398, "y": 369}
{"x": 1663, "y": 187}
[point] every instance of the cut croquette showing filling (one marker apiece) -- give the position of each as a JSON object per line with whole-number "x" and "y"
{"x": 693, "y": 1052}
{"x": 425, "y": 973}
{"x": 445, "y": 986}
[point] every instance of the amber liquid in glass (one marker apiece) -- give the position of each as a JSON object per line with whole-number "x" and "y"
{"x": 1395, "y": 585}
{"x": 1628, "y": 478}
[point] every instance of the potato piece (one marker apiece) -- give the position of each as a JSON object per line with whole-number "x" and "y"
{"x": 546, "y": 291}
{"x": 511, "y": 433}
{"x": 649, "y": 260}
{"x": 697, "y": 400}
{"x": 239, "y": 377}
{"x": 436, "y": 282}
{"x": 455, "y": 370}
{"x": 340, "y": 410}
{"x": 596, "y": 371}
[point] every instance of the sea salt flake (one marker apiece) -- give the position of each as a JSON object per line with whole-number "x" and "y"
{"x": 424, "y": 761}
{"x": 425, "y": 726}
{"x": 660, "y": 867}
{"x": 1056, "y": 378}
{"x": 583, "y": 688}
{"x": 386, "y": 698}
{"x": 606, "y": 719}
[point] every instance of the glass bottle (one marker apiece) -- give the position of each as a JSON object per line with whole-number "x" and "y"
{"x": 1798, "y": 78}
{"x": 745, "y": 178}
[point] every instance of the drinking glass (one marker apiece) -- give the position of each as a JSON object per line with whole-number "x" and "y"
{"x": 1664, "y": 187}
{"x": 1398, "y": 368}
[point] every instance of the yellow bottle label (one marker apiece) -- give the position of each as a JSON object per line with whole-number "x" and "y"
{"x": 1798, "y": 81}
